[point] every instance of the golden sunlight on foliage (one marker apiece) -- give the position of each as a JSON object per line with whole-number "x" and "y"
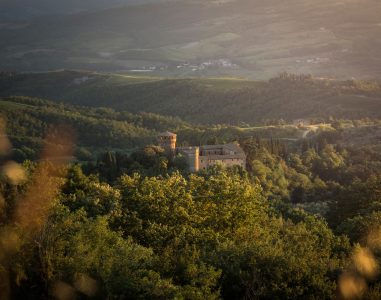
{"x": 365, "y": 263}
{"x": 5, "y": 145}
{"x": 86, "y": 285}
{"x": 374, "y": 238}
{"x": 351, "y": 286}
{"x": 63, "y": 291}
{"x": 14, "y": 172}
{"x": 33, "y": 208}
{"x": 2, "y": 204}
{"x": 10, "y": 242}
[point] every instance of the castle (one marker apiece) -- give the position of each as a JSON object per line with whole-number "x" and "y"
{"x": 199, "y": 158}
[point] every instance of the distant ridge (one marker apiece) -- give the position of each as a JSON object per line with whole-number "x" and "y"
{"x": 22, "y": 10}
{"x": 245, "y": 38}
{"x": 207, "y": 101}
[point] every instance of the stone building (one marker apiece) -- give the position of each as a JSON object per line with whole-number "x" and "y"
{"x": 167, "y": 140}
{"x": 202, "y": 157}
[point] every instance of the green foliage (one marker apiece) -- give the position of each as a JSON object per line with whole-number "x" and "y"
{"x": 360, "y": 227}
{"x": 134, "y": 223}
{"x": 359, "y": 198}
{"x": 205, "y": 236}
{"x": 214, "y": 232}
{"x": 205, "y": 101}
{"x": 122, "y": 269}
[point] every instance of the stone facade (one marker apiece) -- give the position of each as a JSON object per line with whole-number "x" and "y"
{"x": 202, "y": 157}
{"x": 167, "y": 140}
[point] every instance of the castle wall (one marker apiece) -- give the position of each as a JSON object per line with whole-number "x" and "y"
{"x": 192, "y": 155}
{"x": 194, "y": 160}
{"x": 199, "y": 158}
{"x": 207, "y": 161}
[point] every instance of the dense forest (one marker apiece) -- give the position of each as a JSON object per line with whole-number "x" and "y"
{"x": 99, "y": 129}
{"x": 232, "y": 101}
{"x": 190, "y": 149}
{"x": 91, "y": 207}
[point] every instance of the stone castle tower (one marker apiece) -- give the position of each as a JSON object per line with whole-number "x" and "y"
{"x": 167, "y": 140}
{"x": 202, "y": 157}
{"x": 192, "y": 155}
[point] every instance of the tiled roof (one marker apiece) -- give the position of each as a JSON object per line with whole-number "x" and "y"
{"x": 232, "y": 147}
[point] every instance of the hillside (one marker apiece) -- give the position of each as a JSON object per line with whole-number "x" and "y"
{"x": 250, "y": 38}
{"x": 207, "y": 101}
{"x": 99, "y": 129}
{"x": 190, "y": 149}
{"x": 24, "y": 10}
{"x": 29, "y": 119}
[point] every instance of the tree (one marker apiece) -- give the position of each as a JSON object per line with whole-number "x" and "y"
{"x": 76, "y": 247}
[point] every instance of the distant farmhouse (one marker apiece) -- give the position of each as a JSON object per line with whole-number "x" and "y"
{"x": 199, "y": 158}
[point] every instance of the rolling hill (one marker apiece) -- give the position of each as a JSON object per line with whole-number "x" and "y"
{"x": 247, "y": 38}
{"x": 205, "y": 101}
{"x": 96, "y": 129}
{"x": 23, "y": 10}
